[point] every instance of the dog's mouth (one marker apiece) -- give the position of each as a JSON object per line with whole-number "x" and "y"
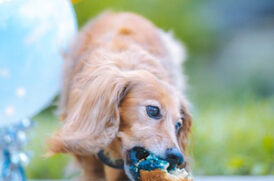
{"x": 138, "y": 159}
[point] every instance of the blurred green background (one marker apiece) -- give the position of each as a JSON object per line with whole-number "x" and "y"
{"x": 230, "y": 69}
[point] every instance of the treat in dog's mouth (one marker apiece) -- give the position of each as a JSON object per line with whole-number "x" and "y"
{"x": 145, "y": 166}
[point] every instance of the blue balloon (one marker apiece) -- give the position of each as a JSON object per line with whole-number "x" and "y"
{"x": 33, "y": 36}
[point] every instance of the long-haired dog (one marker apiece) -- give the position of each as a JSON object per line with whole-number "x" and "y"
{"x": 122, "y": 88}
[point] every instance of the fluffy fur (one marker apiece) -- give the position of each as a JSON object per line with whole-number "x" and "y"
{"x": 119, "y": 63}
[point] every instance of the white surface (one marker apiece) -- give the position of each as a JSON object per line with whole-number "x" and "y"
{"x": 219, "y": 178}
{"x": 234, "y": 178}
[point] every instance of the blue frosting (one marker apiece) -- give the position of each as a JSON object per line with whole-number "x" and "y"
{"x": 151, "y": 162}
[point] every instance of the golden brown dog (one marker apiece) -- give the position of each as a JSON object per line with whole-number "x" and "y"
{"x": 122, "y": 88}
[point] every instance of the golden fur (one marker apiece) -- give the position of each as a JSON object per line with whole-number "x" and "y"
{"x": 119, "y": 63}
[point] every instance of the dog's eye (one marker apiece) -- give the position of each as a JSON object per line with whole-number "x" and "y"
{"x": 178, "y": 126}
{"x": 153, "y": 112}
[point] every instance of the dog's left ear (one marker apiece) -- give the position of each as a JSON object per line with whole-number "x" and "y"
{"x": 93, "y": 120}
{"x": 186, "y": 128}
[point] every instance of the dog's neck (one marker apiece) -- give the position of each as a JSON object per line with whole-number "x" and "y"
{"x": 112, "y": 155}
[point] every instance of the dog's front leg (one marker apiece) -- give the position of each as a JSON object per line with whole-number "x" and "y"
{"x": 115, "y": 174}
{"x": 93, "y": 169}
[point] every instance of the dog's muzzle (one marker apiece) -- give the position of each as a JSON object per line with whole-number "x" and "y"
{"x": 138, "y": 158}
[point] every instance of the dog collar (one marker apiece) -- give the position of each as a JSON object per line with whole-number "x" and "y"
{"x": 104, "y": 156}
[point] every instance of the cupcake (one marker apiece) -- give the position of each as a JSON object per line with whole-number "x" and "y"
{"x": 163, "y": 175}
{"x": 150, "y": 167}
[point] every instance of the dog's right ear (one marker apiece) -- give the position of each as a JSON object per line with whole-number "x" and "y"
{"x": 92, "y": 119}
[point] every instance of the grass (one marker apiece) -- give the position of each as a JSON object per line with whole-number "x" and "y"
{"x": 40, "y": 166}
{"x": 233, "y": 128}
{"x": 234, "y": 138}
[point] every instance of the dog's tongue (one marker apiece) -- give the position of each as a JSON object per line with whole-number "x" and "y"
{"x": 140, "y": 159}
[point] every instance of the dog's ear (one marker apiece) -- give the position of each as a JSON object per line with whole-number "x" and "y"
{"x": 186, "y": 128}
{"x": 93, "y": 120}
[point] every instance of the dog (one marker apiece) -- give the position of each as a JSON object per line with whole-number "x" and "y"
{"x": 123, "y": 88}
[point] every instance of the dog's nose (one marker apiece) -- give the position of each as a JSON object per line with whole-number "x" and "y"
{"x": 174, "y": 156}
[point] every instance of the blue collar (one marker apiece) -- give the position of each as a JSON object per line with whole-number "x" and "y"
{"x": 104, "y": 156}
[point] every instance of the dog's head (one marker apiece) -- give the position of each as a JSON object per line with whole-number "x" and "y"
{"x": 134, "y": 107}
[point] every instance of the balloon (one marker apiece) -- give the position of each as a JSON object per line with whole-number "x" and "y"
{"x": 33, "y": 36}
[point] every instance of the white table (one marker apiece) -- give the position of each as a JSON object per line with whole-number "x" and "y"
{"x": 234, "y": 178}
{"x": 219, "y": 178}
